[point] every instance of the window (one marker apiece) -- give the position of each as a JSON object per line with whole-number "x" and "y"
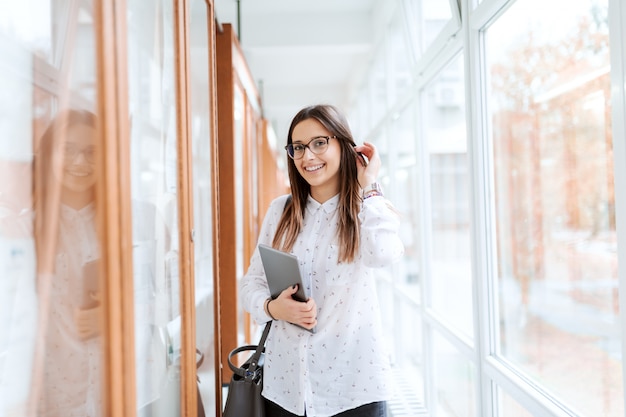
{"x": 203, "y": 180}
{"x": 511, "y": 237}
{"x": 50, "y": 291}
{"x": 555, "y": 203}
{"x": 152, "y": 103}
{"x": 450, "y": 266}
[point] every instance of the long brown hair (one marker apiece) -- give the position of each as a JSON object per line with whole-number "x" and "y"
{"x": 348, "y": 230}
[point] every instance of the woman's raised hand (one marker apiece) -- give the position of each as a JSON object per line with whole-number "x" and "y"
{"x": 368, "y": 173}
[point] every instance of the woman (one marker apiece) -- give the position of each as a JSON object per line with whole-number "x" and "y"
{"x": 65, "y": 161}
{"x": 341, "y": 228}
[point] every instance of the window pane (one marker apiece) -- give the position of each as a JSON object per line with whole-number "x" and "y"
{"x": 425, "y": 20}
{"x": 444, "y": 127}
{"x": 399, "y": 286}
{"x": 377, "y": 90}
{"x": 18, "y": 295}
{"x": 455, "y": 380}
{"x": 50, "y": 344}
{"x": 402, "y": 182}
{"x": 202, "y": 195}
{"x": 400, "y": 61}
{"x": 509, "y": 407}
{"x": 152, "y": 102}
{"x": 557, "y": 263}
{"x": 435, "y": 14}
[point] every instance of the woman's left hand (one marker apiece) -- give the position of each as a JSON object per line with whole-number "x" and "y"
{"x": 88, "y": 320}
{"x": 368, "y": 173}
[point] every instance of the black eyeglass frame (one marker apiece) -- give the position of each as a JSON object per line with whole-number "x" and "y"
{"x": 292, "y": 154}
{"x": 70, "y": 152}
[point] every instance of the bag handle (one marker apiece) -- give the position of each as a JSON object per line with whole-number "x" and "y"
{"x": 253, "y": 362}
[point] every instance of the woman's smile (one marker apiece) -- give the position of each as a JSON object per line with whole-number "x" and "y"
{"x": 313, "y": 168}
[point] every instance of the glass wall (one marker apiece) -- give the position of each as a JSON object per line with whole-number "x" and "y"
{"x": 152, "y": 103}
{"x": 55, "y": 154}
{"x": 203, "y": 166}
{"x": 454, "y": 380}
{"x": 500, "y": 161}
{"x": 50, "y": 297}
{"x": 555, "y": 201}
{"x": 399, "y": 288}
{"x": 448, "y": 246}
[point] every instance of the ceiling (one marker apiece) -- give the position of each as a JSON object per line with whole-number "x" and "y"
{"x": 303, "y": 52}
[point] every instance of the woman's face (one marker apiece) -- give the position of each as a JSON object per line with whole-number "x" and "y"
{"x": 78, "y": 158}
{"x": 320, "y": 171}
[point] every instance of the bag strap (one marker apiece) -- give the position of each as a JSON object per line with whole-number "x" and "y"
{"x": 253, "y": 362}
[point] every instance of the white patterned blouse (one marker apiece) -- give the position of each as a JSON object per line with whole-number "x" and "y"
{"x": 344, "y": 364}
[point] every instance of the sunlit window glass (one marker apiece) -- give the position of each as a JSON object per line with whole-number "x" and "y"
{"x": 455, "y": 380}
{"x": 555, "y": 201}
{"x": 444, "y": 129}
{"x": 401, "y": 60}
{"x": 399, "y": 287}
{"x": 152, "y": 103}
{"x": 50, "y": 290}
{"x": 509, "y": 407}
{"x": 435, "y": 15}
{"x": 18, "y": 293}
{"x": 203, "y": 199}
{"x": 424, "y": 21}
{"x": 377, "y": 89}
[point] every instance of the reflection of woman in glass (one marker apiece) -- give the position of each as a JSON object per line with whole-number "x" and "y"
{"x": 71, "y": 376}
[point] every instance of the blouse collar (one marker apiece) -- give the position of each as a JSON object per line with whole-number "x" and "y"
{"x": 329, "y": 206}
{"x": 87, "y": 212}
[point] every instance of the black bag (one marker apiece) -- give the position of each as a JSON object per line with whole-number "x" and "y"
{"x": 244, "y": 391}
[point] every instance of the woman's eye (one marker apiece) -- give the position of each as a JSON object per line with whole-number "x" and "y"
{"x": 298, "y": 148}
{"x": 319, "y": 143}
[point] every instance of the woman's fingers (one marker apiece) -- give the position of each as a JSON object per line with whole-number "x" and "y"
{"x": 297, "y": 312}
{"x": 368, "y": 174}
{"x": 308, "y": 317}
{"x": 87, "y": 322}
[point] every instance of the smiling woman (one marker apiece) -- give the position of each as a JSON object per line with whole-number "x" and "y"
{"x": 341, "y": 228}
{"x": 65, "y": 163}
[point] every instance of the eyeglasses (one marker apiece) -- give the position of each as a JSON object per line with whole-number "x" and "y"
{"x": 318, "y": 145}
{"x": 71, "y": 151}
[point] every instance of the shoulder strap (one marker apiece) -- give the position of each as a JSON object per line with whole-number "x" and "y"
{"x": 253, "y": 361}
{"x": 256, "y": 356}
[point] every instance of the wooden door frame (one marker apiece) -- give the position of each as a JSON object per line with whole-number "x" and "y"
{"x": 212, "y": 29}
{"x": 188, "y": 371}
{"x": 113, "y": 203}
{"x": 232, "y": 72}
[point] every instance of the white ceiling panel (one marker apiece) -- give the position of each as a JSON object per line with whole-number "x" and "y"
{"x": 302, "y": 52}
